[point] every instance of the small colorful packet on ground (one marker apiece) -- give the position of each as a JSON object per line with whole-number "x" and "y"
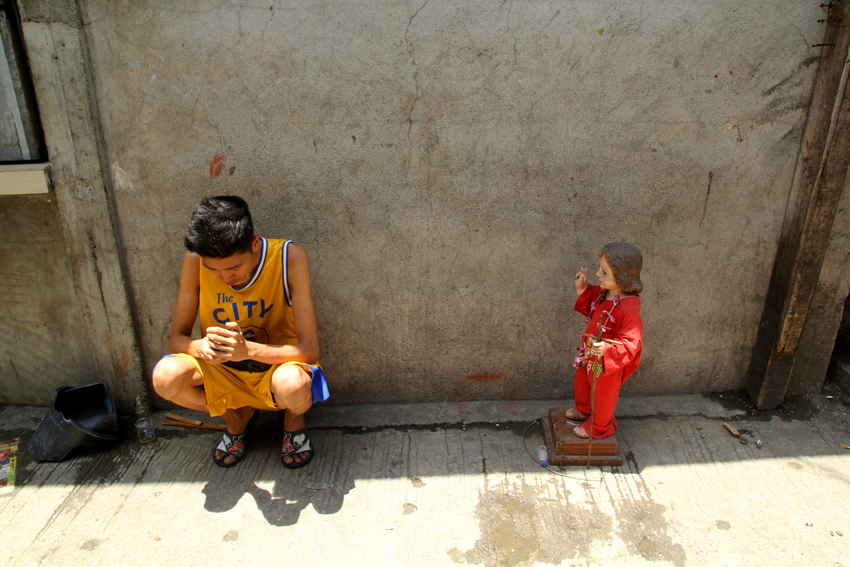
{"x": 8, "y": 459}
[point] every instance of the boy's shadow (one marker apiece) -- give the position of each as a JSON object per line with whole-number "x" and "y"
{"x": 324, "y": 482}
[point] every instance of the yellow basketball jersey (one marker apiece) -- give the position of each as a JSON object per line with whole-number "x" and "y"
{"x": 262, "y": 308}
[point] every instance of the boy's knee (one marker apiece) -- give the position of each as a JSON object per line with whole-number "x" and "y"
{"x": 166, "y": 376}
{"x": 290, "y": 380}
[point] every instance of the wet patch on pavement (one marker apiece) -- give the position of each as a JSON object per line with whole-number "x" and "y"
{"x": 798, "y": 408}
{"x": 510, "y": 532}
{"x": 522, "y": 525}
{"x": 642, "y": 527}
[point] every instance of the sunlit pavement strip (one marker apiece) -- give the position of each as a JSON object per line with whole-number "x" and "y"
{"x": 689, "y": 494}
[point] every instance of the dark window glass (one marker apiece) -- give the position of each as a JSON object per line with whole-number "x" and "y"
{"x": 21, "y": 138}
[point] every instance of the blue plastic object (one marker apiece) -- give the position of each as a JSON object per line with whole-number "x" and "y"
{"x": 543, "y": 456}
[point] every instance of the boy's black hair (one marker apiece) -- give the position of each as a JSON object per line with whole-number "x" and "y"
{"x": 220, "y": 227}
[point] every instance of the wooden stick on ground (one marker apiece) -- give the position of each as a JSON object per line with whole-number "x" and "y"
{"x": 200, "y": 425}
{"x": 175, "y": 417}
{"x": 731, "y": 429}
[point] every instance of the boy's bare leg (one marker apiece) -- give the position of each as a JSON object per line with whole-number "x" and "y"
{"x": 177, "y": 380}
{"x": 292, "y": 390}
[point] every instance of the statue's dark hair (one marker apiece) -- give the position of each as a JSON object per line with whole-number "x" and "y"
{"x": 220, "y": 227}
{"x": 626, "y": 261}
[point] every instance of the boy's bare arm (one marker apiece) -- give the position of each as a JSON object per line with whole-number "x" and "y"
{"x": 185, "y": 312}
{"x": 234, "y": 346}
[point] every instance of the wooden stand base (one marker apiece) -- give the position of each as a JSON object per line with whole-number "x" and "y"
{"x": 565, "y": 449}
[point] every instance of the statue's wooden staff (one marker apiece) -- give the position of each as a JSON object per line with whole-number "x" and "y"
{"x": 597, "y": 339}
{"x": 596, "y": 369}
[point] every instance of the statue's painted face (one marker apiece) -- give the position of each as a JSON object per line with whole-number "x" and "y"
{"x": 606, "y": 277}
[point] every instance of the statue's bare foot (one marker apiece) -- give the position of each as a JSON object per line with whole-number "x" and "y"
{"x": 575, "y": 415}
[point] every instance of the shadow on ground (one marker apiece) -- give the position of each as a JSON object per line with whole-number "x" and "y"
{"x": 803, "y": 427}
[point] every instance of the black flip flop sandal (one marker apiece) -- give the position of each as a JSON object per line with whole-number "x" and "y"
{"x": 233, "y": 444}
{"x": 293, "y": 443}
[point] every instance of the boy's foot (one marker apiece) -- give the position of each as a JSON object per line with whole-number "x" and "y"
{"x": 575, "y": 415}
{"x": 232, "y": 447}
{"x": 296, "y": 450}
{"x": 243, "y": 419}
{"x": 579, "y": 432}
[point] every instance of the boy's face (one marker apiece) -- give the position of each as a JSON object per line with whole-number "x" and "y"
{"x": 235, "y": 270}
{"x": 606, "y": 276}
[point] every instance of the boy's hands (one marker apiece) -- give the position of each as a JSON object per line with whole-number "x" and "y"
{"x": 226, "y": 344}
{"x": 207, "y": 351}
{"x": 581, "y": 281}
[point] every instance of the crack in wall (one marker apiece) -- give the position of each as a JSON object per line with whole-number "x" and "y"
{"x": 707, "y": 194}
{"x": 415, "y": 83}
{"x": 510, "y": 29}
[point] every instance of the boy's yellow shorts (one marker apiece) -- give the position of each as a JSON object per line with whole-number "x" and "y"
{"x": 227, "y": 388}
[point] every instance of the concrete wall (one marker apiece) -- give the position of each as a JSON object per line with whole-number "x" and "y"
{"x": 45, "y": 344}
{"x": 62, "y": 75}
{"x": 450, "y": 165}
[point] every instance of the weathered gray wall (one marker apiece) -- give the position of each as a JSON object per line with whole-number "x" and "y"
{"x": 62, "y": 72}
{"x": 45, "y": 344}
{"x": 450, "y": 165}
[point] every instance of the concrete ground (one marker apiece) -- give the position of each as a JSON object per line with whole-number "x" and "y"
{"x": 451, "y": 484}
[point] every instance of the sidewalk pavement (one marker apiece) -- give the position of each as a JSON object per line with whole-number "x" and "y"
{"x": 450, "y": 484}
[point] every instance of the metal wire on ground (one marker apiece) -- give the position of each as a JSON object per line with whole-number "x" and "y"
{"x": 533, "y": 458}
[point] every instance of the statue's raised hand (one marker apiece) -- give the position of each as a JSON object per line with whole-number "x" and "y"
{"x": 581, "y": 281}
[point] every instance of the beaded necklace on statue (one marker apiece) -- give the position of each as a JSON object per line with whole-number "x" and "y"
{"x": 584, "y": 357}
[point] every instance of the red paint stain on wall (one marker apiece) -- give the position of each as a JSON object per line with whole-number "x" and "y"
{"x": 484, "y": 377}
{"x": 216, "y": 166}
